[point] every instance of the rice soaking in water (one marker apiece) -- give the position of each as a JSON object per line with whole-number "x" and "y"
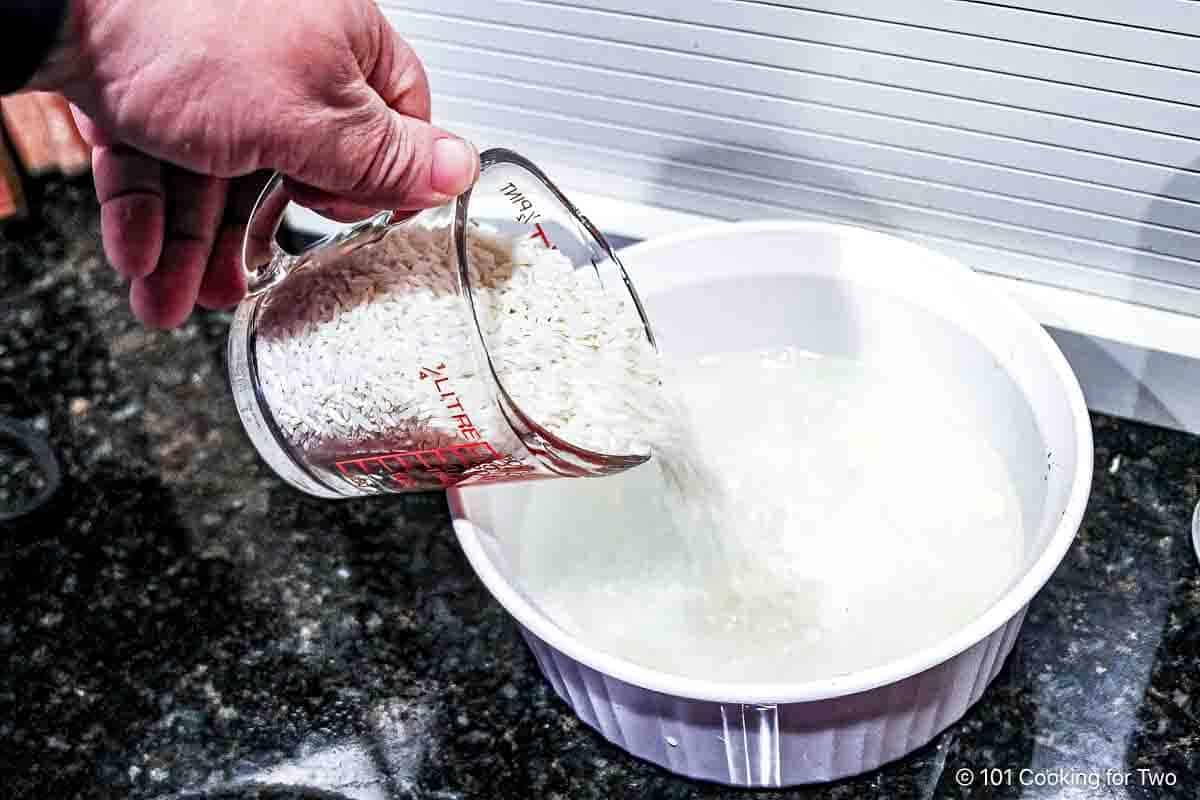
{"x": 824, "y": 523}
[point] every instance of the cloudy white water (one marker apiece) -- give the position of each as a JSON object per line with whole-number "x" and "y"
{"x": 862, "y": 521}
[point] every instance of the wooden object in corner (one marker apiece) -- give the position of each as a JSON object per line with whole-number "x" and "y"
{"x": 12, "y": 196}
{"x": 26, "y": 126}
{"x": 42, "y": 132}
{"x": 71, "y": 153}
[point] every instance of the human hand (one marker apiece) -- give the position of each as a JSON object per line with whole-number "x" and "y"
{"x": 189, "y": 105}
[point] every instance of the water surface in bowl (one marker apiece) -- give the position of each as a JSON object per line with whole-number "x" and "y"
{"x": 868, "y": 519}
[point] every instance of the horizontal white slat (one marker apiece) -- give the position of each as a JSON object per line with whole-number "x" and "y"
{"x": 1055, "y": 142}
{"x": 1046, "y": 258}
{"x": 1156, "y": 43}
{"x": 988, "y": 20}
{"x": 714, "y": 113}
{"x": 768, "y": 94}
{"x": 825, "y": 59}
{"x": 765, "y": 150}
{"x": 673, "y": 153}
{"x": 1182, "y": 16}
{"x": 926, "y": 43}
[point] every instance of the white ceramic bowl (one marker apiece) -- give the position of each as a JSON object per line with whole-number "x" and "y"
{"x": 841, "y": 291}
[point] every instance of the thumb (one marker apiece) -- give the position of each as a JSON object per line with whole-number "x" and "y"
{"x": 387, "y": 160}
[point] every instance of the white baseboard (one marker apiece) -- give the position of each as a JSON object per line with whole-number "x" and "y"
{"x": 1132, "y": 361}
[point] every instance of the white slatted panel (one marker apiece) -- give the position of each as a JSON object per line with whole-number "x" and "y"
{"x": 1056, "y": 141}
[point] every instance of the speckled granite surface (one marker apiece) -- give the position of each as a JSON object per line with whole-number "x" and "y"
{"x": 177, "y": 623}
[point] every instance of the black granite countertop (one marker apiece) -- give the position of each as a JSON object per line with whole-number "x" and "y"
{"x": 176, "y": 622}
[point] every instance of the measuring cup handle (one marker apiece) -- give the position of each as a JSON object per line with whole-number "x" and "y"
{"x": 265, "y": 261}
{"x": 260, "y": 247}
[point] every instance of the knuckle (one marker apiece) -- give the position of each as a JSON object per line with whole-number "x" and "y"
{"x": 359, "y": 153}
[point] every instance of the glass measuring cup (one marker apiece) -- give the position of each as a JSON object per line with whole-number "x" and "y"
{"x": 366, "y": 362}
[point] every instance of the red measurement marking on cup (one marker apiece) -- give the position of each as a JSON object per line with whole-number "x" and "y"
{"x": 452, "y": 402}
{"x": 505, "y": 468}
{"x": 473, "y": 462}
{"x": 527, "y": 213}
{"x": 541, "y": 234}
{"x": 412, "y": 468}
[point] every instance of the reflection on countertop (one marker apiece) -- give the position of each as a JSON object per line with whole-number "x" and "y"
{"x": 177, "y": 623}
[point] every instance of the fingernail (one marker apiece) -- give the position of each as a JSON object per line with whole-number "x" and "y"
{"x": 454, "y": 165}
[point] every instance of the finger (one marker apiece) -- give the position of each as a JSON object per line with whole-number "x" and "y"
{"x": 327, "y": 204}
{"x": 165, "y": 298}
{"x": 224, "y": 282}
{"x": 129, "y": 186}
{"x": 398, "y": 76}
{"x": 387, "y": 160}
{"x": 92, "y": 133}
{"x": 388, "y": 155}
